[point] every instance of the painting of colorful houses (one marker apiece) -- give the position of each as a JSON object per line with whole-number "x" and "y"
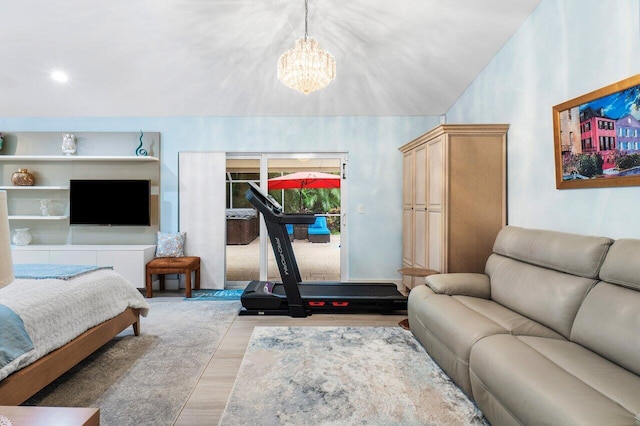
{"x": 598, "y": 138}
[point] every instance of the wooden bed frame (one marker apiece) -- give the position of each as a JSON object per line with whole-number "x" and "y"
{"x": 23, "y": 384}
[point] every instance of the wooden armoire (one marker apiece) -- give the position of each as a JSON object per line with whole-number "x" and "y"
{"x": 454, "y": 197}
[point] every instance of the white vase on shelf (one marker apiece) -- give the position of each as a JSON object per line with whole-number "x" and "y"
{"x": 44, "y": 207}
{"x": 68, "y": 144}
{"x": 22, "y": 237}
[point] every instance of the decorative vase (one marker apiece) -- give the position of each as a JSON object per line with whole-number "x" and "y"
{"x": 68, "y": 144}
{"x": 140, "y": 151}
{"x": 44, "y": 207}
{"x": 22, "y": 237}
{"x": 22, "y": 178}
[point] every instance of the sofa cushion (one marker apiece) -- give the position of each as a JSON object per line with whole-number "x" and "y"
{"x": 574, "y": 254}
{"x": 550, "y": 381}
{"x": 608, "y": 323}
{"x": 447, "y": 329}
{"x": 549, "y": 297}
{"x": 449, "y": 326}
{"x": 511, "y": 321}
{"x": 618, "y": 267}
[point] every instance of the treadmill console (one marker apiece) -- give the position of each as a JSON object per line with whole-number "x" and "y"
{"x": 266, "y": 198}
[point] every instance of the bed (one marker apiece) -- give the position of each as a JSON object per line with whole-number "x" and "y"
{"x": 66, "y": 320}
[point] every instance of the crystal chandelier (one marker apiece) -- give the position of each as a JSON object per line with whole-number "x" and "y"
{"x": 307, "y": 67}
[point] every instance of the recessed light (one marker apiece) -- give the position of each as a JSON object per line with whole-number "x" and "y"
{"x": 59, "y": 76}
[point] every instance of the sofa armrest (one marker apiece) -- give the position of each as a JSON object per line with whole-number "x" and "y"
{"x": 460, "y": 284}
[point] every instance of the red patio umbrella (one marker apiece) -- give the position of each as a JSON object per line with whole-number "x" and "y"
{"x": 304, "y": 180}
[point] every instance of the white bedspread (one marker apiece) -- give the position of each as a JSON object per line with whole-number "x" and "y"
{"x": 55, "y": 312}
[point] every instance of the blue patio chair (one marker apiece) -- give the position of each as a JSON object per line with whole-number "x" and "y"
{"x": 318, "y": 231}
{"x": 290, "y": 230}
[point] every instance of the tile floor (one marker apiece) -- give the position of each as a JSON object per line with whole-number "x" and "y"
{"x": 209, "y": 397}
{"x": 317, "y": 262}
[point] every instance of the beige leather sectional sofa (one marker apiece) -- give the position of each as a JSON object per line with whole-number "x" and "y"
{"x": 549, "y": 335}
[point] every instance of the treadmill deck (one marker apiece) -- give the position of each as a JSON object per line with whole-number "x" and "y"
{"x": 266, "y": 297}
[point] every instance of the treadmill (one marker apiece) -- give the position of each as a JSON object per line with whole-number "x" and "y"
{"x": 300, "y": 299}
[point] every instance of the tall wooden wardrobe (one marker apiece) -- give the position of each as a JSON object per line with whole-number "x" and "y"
{"x": 454, "y": 197}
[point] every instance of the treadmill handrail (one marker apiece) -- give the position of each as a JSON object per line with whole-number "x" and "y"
{"x": 258, "y": 201}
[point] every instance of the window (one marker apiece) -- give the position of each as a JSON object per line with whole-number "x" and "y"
{"x": 237, "y": 186}
{"x": 586, "y": 144}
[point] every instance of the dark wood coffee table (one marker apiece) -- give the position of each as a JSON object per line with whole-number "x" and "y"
{"x": 46, "y": 416}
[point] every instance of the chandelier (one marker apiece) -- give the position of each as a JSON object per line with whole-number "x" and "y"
{"x": 307, "y": 67}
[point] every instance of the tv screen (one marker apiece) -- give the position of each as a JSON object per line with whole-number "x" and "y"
{"x": 110, "y": 202}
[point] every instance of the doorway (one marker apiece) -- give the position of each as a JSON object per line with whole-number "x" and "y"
{"x": 249, "y": 255}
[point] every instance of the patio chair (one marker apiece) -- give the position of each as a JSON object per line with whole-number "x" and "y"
{"x": 290, "y": 231}
{"x": 318, "y": 231}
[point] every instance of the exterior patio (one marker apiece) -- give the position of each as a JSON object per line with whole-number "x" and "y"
{"x": 316, "y": 261}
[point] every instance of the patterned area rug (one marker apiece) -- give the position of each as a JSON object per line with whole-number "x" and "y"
{"x": 343, "y": 376}
{"x": 209, "y": 295}
{"x": 146, "y": 380}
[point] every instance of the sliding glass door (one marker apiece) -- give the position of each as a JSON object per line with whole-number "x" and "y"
{"x": 304, "y": 183}
{"x": 242, "y": 222}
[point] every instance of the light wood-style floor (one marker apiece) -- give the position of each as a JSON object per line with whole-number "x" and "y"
{"x": 209, "y": 398}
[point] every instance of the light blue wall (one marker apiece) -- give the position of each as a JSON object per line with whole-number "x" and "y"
{"x": 375, "y": 164}
{"x": 565, "y": 49}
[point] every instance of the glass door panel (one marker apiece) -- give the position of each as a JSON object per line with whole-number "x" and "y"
{"x": 309, "y": 185}
{"x": 242, "y": 222}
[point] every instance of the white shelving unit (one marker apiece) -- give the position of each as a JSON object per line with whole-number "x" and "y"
{"x": 33, "y": 217}
{"x": 20, "y": 158}
{"x": 34, "y": 188}
{"x": 128, "y": 260}
{"x": 100, "y": 155}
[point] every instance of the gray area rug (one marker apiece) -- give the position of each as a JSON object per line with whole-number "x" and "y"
{"x": 343, "y": 376}
{"x": 146, "y": 380}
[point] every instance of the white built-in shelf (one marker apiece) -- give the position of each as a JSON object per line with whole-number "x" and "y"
{"x": 34, "y": 187}
{"x": 34, "y": 217}
{"x": 7, "y": 158}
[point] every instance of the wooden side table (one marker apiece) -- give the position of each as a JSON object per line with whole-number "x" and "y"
{"x": 46, "y": 416}
{"x": 173, "y": 265}
{"x": 417, "y": 272}
{"x": 414, "y": 272}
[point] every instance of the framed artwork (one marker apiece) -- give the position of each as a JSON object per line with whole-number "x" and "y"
{"x": 597, "y": 137}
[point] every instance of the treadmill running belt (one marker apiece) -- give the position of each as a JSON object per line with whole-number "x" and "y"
{"x": 337, "y": 290}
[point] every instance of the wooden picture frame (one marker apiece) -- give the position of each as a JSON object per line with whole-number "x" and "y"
{"x": 597, "y": 137}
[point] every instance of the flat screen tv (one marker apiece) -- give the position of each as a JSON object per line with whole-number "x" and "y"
{"x": 110, "y": 202}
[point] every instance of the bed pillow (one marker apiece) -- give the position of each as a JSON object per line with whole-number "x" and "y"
{"x": 170, "y": 244}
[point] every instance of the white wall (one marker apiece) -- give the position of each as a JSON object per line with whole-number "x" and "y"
{"x": 565, "y": 49}
{"x": 375, "y": 171}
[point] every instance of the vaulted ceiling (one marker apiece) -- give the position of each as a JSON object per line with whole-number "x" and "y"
{"x": 218, "y": 57}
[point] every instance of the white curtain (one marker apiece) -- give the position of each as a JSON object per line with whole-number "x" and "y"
{"x": 6, "y": 264}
